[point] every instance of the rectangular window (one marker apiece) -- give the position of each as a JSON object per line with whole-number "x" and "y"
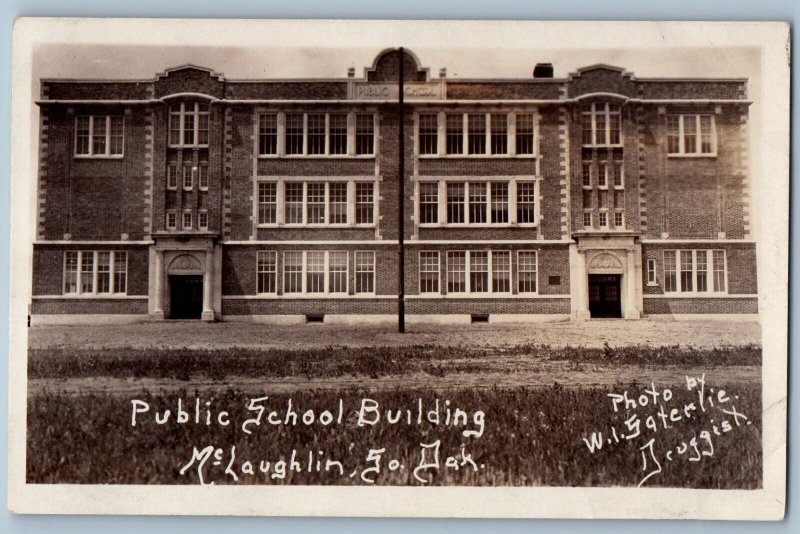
{"x": 695, "y": 268}
{"x": 456, "y": 272}
{"x": 526, "y": 271}
{"x": 455, "y": 203}
{"x": 619, "y": 219}
{"x": 315, "y": 202}
{"x": 188, "y": 124}
{"x": 429, "y": 272}
{"x": 172, "y": 220}
{"x": 670, "y": 271}
{"x": 428, "y": 133}
{"x": 587, "y": 220}
{"x": 365, "y": 203}
{"x": 501, "y": 272}
{"x": 587, "y": 174}
{"x": 337, "y": 133}
{"x": 188, "y": 176}
{"x": 172, "y": 176}
{"x": 267, "y": 202}
{"x": 455, "y": 133}
{"x": 499, "y": 192}
{"x": 187, "y": 220}
{"x": 499, "y": 133}
{"x": 202, "y": 176}
{"x": 365, "y": 271}
{"x": 293, "y": 271}
{"x": 526, "y": 202}
{"x": 701, "y": 265}
{"x": 315, "y": 272}
{"x": 202, "y": 220}
{"x": 365, "y": 134}
{"x": 476, "y": 133}
{"x": 428, "y": 202}
{"x": 337, "y": 272}
{"x": 99, "y": 135}
{"x": 294, "y": 133}
{"x": 618, "y": 175}
{"x": 266, "y": 271}
{"x": 293, "y": 203}
{"x": 588, "y": 198}
{"x": 601, "y": 124}
{"x": 602, "y": 219}
{"x": 337, "y": 202}
{"x": 687, "y": 268}
{"x": 268, "y": 134}
{"x": 651, "y": 272}
{"x": 479, "y": 272}
{"x": 602, "y": 174}
{"x": 719, "y": 270}
{"x": 525, "y": 134}
{"x": 95, "y": 272}
{"x": 691, "y": 135}
{"x": 316, "y": 133}
{"x": 477, "y": 202}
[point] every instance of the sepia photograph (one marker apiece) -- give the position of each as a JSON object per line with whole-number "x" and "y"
{"x": 340, "y": 256}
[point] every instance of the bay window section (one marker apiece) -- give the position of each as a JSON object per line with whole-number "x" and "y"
{"x": 188, "y": 124}
{"x": 694, "y": 271}
{"x": 601, "y": 124}
{"x": 89, "y": 272}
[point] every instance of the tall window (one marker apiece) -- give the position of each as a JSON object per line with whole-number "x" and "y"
{"x": 691, "y": 135}
{"x": 365, "y": 202}
{"x": 95, "y": 272}
{"x": 293, "y": 203}
{"x": 188, "y": 124}
{"x": 337, "y": 272}
{"x": 456, "y": 212}
{"x": 202, "y": 220}
{"x": 651, "y": 272}
{"x": 587, "y": 174}
{"x": 365, "y": 271}
{"x": 266, "y": 271}
{"x": 501, "y": 272}
{"x": 202, "y": 176}
{"x": 172, "y": 220}
{"x": 525, "y": 133}
{"x": 267, "y": 202}
{"x": 268, "y": 133}
{"x": 428, "y": 133}
{"x": 293, "y": 271}
{"x": 316, "y": 133}
{"x": 294, "y": 133}
{"x": 499, "y": 192}
{"x": 499, "y": 133}
{"x": 365, "y": 134}
{"x": 602, "y": 124}
{"x": 188, "y": 176}
{"x": 337, "y": 133}
{"x": 694, "y": 271}
{"x": 476, "y": 133}
{"x": 99, "y": 135}
{"x": 429, "y": 272}
{"x": 526, "y": 271}
{"x": 428, "y": 202}
{"x": 172, "y": 176}
{"x": 456, "y": 272}
{"x": 478, "y": 202}
{"x": 455, "y": 133}
{"x": 526, "y": 202}
{"x": 337, "y": 202}
{"x": 187, "y": 220}
{"x": 315, "y": 202}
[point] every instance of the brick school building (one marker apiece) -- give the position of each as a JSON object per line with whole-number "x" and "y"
{"x": 192, "y": 196}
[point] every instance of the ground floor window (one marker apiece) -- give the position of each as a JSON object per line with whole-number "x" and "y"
{"x": 477, "y": 272}
{"x": 695, "y": 271}
{"x": 315, "y": 272}
{"x": 98, "y": 272}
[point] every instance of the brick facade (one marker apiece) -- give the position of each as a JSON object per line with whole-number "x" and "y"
{"x": 95, "y": 198}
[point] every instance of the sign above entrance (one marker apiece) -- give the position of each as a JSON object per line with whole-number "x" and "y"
{"x": 389, "y": 91}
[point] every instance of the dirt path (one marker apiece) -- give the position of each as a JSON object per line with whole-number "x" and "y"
{"x": 593, "y": 333}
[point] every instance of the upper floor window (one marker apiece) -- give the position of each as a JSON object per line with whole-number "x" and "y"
{"x": 601, "y": 124}
{"x": 476, "y": 134}
{"x": 691, "y": 135}
{"x": 88, "y": 272}
{"x": 695, "y": 271}
{"x": 315, "y": 202}
{"x": 188, "y": 124}
{"x": 99, "y": 135}
{"x": 316, "y": 134}
{"x": 474, "y": 202}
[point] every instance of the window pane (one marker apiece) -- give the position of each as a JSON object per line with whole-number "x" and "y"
{"x": 202, "y": 129}
{"x": 455, "y": 133}
{"x": 293, "y": 271}
{"x": 476, "y": 133}
{"x": 706, "y": 134}
{"x": 365, "y": 271}
{"x": 616, "y": 170}
{"x": 365, "y": 133}
{"x": 202, "y": 220}
{"x": 619, "y": 219}
{"x": 337, "y": 272}
{"x": 293, "y": 203}
{"x": 70, "y": 272}
{"x": 587, "y": 174}
{"x": 526, "y": 202}
{"x": 670, "y": 274}
{"x": 428, "y": 133}
{"x": 188, "y": 175}
{"x": 267, "y": 202}
{"x": 315, "y": 203}
{"x": 587, "y": 219}
{"x": 187, "y": 220}
{"x": 525, "y": 133}
{"x": 686, "y": 270}
{"x": 98, "y": 135}
{"x": 266, "y": 270}
{"x": 315, "y": 272}
{"x": 337, "y": 202}
{"x": 615, "y": 125}
{"x": 651, "y": 271}
{"x": 689, "y": 134}
{"x": 499, "y": 137}
{"x": 719, "y": 270}
{"x": 456, "y": 272}
{"x": 673, "y": 134}
{"x": 337, "y": 128}
{"x": 600, "y": 126}
{"x": 702, "y": 270}
{"x": 82, "y": 135}
{"x": 479, "y": 272}
{"x": 172, "y": 176}
{"x": 87, "y": 272}
{"x": 428, "y": 202}
{"x": 365, "y": 204}
{"x": 117, "y": 135}
{"x": 175, "y": 125}
{"x": 455, "y": 202}
{"x": 120, "y": 272}
{"x": 526, "y": 272}
{"x": 268, "y": 134}
{"x": 499, "y": 202}
{"x": 104, "y": 272}
{"x": 429, "y": 272}
{"x": 294, "y": 133}
{"x": 602, "y": 174}
{"x": 202, "y": 176}
{"x": 477, "y": 202}
{"x": 188, "y": 126}
{"x": 501, "y": 272}
{"x": 602, "y": 219}
{"x": 172, "y": 220}
{"x": 316, "y": 133}
{"x": 586, "y": 128}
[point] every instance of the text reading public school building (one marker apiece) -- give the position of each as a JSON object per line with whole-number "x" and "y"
{"x": 193, "y": 196}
